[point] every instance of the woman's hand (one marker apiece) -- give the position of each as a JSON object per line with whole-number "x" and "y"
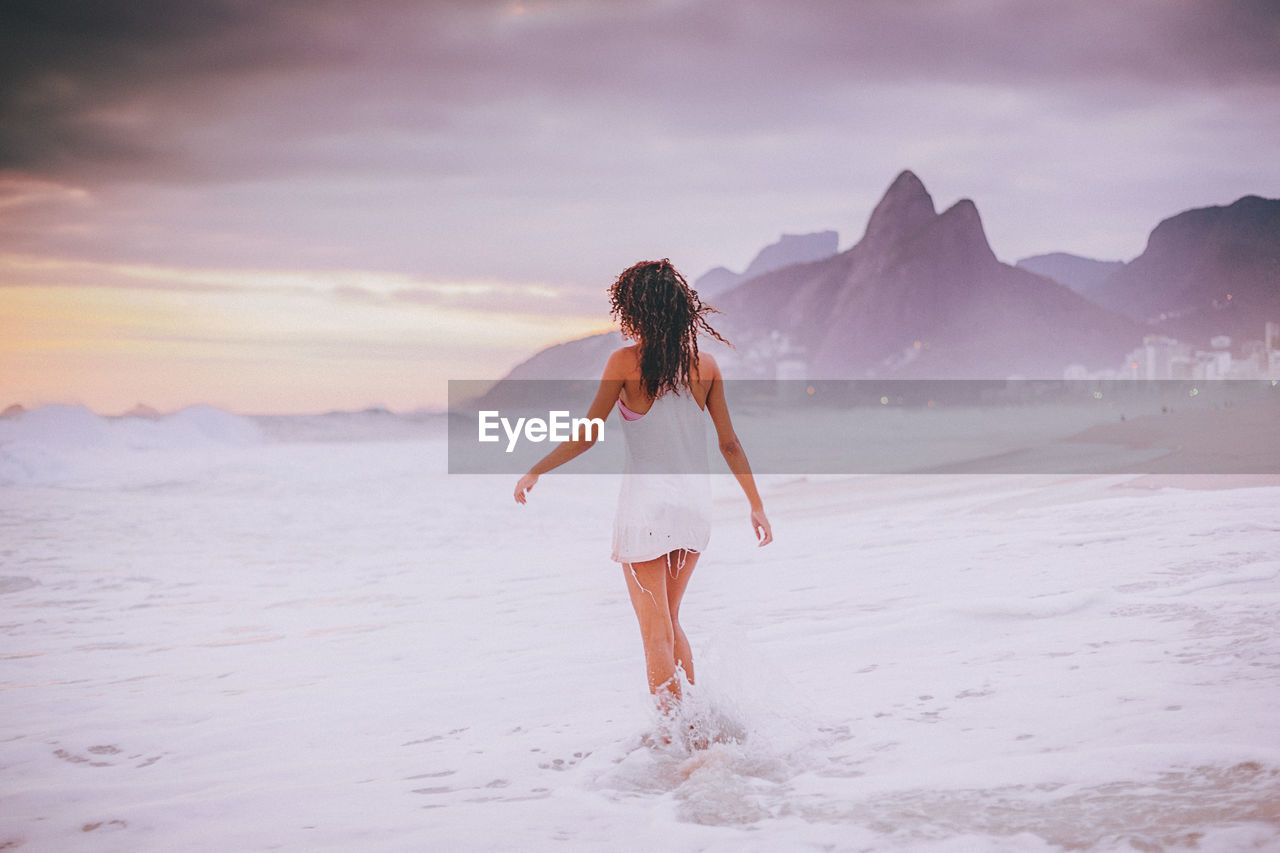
{"x": 526, "y": 483}
{"x": 760, "y": 524}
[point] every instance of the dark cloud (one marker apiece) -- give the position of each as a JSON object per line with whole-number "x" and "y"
{"x": 111, "y": 83}
{"x": 547, "y": 140}
{"x": 104, "y": 87}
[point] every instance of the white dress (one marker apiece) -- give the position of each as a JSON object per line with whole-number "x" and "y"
{"x": 665, "y": 501}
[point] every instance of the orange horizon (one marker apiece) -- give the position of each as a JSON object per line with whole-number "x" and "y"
{"x": 113, "y": 336}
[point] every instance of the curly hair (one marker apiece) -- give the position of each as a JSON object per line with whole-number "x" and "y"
{"x": 655, "y": 305}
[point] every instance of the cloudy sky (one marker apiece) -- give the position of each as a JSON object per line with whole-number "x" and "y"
{"x": 298, "y": 206}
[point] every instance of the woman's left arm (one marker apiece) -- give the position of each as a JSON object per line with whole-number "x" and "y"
{"x": 601, "y": 406}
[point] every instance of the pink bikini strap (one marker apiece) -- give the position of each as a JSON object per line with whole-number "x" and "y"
{"x": 627, "y": 413}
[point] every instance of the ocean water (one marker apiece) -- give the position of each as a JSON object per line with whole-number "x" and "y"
{"x": 223, "y": 633}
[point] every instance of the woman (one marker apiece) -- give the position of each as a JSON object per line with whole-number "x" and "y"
{"x": 663, "y": 388}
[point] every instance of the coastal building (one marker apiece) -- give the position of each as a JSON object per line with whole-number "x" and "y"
{"x": 1215, "y": 363}
{"x": 1271, "y": 350}
{"x": 1159, "y": 357}
{"x": 1162, "y": 357}
{"x": 1076, "y": 372}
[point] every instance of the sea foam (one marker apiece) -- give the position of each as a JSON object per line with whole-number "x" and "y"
{"x": 63, "y": 443}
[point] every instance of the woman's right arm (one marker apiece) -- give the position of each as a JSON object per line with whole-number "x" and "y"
{"x": 734, "y": 455}
{"x": 606, "y": 395}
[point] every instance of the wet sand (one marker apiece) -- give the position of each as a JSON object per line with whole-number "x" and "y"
{"x": 1226, "y": 447}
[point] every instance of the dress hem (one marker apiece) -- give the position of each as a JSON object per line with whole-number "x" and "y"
{"x": 624, "y": 562}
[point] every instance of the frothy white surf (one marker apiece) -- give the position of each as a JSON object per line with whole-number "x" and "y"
{"x": 230, "y": 641}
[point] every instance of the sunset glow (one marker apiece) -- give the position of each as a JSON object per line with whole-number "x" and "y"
{"x": 110, "y": 336}
{"x": 275, "y": 207}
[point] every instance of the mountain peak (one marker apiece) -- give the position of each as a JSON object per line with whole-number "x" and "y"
{"x": 790, "y": 249}
{"x": 962, "y": 227}
{"x": 793, "y": 249}
{"x": 966, "y": 212}
{"x": 907, "y": 181}
{"x": 1193, "y": 260}
{"x": 905, "y": 207}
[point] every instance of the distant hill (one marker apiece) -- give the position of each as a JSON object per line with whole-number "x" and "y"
{"x": 1207, "y": 271}
{"x": 1083, "y": 275}
{"x": 583, "y": 358}
{"x": 922, "y": 295}
{"x": 790, "y": 249}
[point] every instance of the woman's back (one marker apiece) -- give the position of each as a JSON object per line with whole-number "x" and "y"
{"x": 626, "y": 363}
{"x": 670, "y": 438}
{"x": 664, "y": 503}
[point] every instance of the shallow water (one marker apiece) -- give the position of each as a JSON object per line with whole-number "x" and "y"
{"x": 313, "y": 646}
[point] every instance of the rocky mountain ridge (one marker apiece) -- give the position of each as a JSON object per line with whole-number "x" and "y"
{"x": 789, "y": 249}
{"x": 922, "y": 295}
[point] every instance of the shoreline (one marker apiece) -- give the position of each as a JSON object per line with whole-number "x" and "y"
{"x": 1240, "y": 440}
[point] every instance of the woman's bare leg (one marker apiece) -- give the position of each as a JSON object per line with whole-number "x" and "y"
{"x": 647, "y": 584}
{"x": 657, "y": 587}
{"x": 678, "y": 574}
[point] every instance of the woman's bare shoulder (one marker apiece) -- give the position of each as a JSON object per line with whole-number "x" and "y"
{"x": 622, "y": 362}
{"x": 708, "y": 368}
{"x": 626, "y": 355}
